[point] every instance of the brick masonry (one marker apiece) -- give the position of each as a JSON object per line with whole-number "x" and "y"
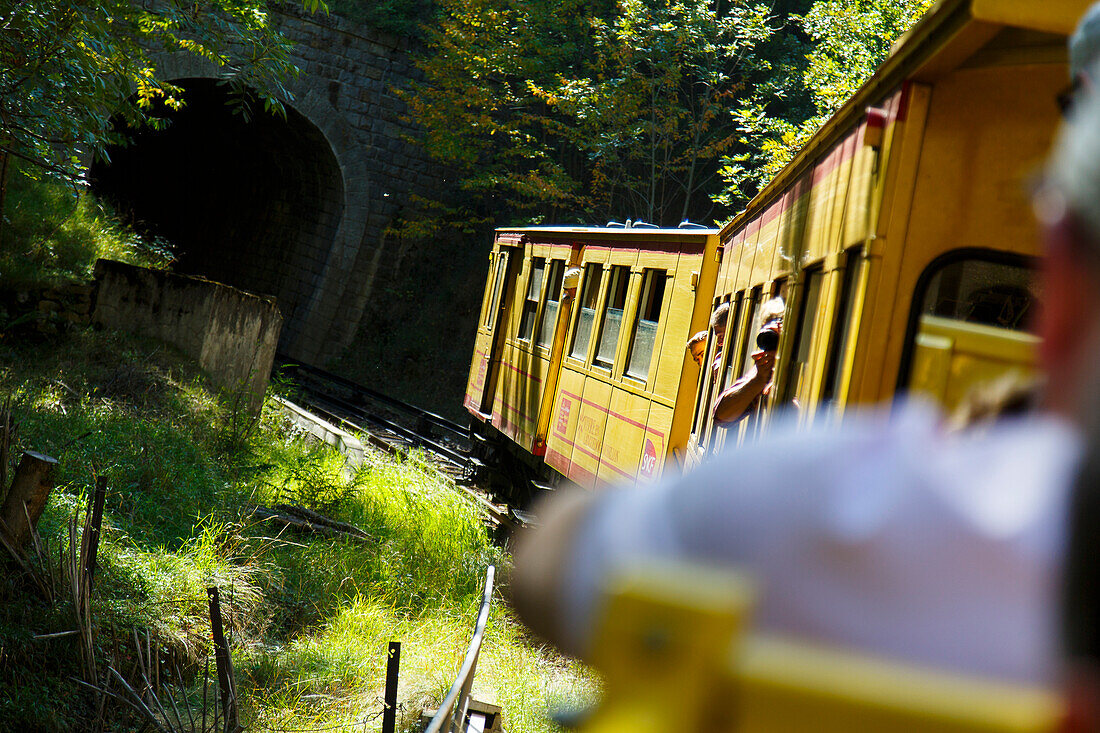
{"x": 360, "y": 170}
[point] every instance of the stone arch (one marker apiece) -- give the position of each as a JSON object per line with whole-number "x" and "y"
{"x": 308, "y": 170}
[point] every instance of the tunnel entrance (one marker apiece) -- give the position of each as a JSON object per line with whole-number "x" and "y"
{"x": 252, "y": 203}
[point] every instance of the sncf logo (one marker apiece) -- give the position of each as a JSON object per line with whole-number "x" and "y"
{"x": 563, "y": 416}
{"x": 649, "y": 459}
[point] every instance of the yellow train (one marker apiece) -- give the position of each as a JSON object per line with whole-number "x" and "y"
{"x": 900, "y": 238}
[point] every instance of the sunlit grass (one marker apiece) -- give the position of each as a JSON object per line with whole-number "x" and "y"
{"x": 310, "y": 618}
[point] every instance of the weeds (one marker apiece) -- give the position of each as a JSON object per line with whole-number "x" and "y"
{"x": 41, "y": 248}
{"x": 309, "y": 618}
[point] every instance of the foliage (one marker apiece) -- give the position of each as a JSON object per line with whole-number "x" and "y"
{"x": 480, "y": 115}
{"x": 397, "y": 17}
{"x": 54, "y": 232}
{"x": 849, "y": 40}
{"x": 585, "y": 110}
{"x": 309, "y": 617}
{"x": 68, "y": 66}
{"x": 650, "y": 116}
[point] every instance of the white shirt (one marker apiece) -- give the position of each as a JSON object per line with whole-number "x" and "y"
{"x": 885, "y": 535}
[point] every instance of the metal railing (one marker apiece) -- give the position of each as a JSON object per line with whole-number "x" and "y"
{"x": 451, "y": 715}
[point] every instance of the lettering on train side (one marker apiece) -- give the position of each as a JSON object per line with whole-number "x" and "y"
{"x": 563, "y": 416}
{"x": 589, "y": 432}
{"x": 481, "y": 373}
{"x": 649, "y": 459}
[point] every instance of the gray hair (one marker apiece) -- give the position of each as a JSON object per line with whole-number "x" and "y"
{"x": 1084, "y": 44}
{"x": 1072, "y": 179}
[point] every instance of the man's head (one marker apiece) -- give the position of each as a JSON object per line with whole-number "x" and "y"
{"x": 1068, "y": 208}
{"x": 697, "y": 347}
{"x": 718, "y": 324}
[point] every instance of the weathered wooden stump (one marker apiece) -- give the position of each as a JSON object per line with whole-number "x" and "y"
{"x": 30, "y": 488}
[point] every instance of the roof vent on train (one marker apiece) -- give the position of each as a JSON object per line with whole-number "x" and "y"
{"x": 630, "y": 224}
{"x": 688, "y": 224}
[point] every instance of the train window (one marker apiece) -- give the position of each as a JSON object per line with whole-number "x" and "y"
{"x": 552, "y": 301}
{"x": 612, "y": 316}
{"x": 804, "y": 336}
{"x": 842, "y": 327}
{"x": 754, "y": 323}
{"x": 645, "y": 328}
{"x": 531, "y": 303}
{"x": 981, "y": 291}
{"x": 702, "y": 394}
{"x": 735, "y": 328}
{"x": 586, "y": 315}
{"x": 498, "y": 283}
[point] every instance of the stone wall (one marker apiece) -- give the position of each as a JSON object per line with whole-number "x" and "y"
{"x": 304, "y": 209}
{"x": 231, "y": 333}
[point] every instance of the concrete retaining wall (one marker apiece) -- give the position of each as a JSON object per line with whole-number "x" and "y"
{"x": 231, "y": 333}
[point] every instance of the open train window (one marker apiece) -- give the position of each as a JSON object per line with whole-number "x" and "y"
{"x": 968, "y": 324}
{"x": 755, "y": 321}
{"x": 531, "y": 302}
{"x": 981, "y": 291}
{"x": 806, "y": 327}
{"x": 612, "y": 316}
{"x": 498, "y": 283}
{"x": 735, "y": 337}
{"x": 703, "y": 390}
{"x": 551, "y": 303}
{"x": 586, "y": 315}
{"x": 645, "y": 327}
{"x": 842, "y": 326}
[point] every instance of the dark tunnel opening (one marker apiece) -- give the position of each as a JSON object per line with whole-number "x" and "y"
{"x": 252, "y": 203}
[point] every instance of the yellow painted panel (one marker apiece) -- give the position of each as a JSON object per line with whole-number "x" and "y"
{"x": 1053, "y": 16}
{"x": 988, "y": 131}
{"x": 623, "y": 436}
{"x": 857, "y": 215}
{"x": 479, "y": 369}
{"x": 952, "y": 357}
{"x": 563, "y": 426}
{"x": 591, "y": 406}
{"x": 657, "y": 450}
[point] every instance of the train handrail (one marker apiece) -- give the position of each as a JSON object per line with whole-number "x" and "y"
{"x": 452, "y": 711}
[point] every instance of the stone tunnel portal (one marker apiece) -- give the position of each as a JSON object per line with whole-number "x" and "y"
{"x": 254, "y": 203}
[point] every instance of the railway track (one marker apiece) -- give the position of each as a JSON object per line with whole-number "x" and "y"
{"x": 394, "y": 426}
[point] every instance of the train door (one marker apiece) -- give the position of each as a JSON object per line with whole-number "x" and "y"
{"x": 505, "y": 269}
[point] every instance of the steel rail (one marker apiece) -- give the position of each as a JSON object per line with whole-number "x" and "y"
{"x": 326, "y": 402}
{"x": 451, "y": 715}
{"x": 282, "y": 361}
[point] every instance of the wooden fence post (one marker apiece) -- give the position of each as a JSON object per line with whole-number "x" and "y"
{"x": 389, "y": 712}
{"x": 31, "y": 487}
{"x": 226, "y": 680}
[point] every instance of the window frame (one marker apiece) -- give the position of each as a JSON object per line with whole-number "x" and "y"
{"x": 920, "y": 289}
{"x": 538, "y": 263}
{"x": 657, "y": 278}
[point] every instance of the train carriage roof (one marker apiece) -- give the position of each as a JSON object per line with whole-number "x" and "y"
{"x": 950, "y": 34}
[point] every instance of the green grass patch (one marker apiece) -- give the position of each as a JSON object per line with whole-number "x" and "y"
{"x": 52, "y": 232}
{"x": 309, "y": 617}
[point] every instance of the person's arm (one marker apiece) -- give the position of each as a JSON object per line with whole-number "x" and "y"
{"x": 733, "y": 403}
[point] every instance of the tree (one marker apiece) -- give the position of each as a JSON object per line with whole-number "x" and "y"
{"x": 481, "y": 114}
{"x": 584, "y": 109}
{"x": 67, "y": 67}
{"x": 849, "y": 39}
{"x": 650, "y": 115}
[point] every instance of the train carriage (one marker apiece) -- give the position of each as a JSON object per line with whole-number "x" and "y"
{"x": 900, "y": 238}
{"x": 588, "y": 382}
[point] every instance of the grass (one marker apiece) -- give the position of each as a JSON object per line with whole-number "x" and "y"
{"x": 51, "y": 232}
{"x": 309, "y": 618}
